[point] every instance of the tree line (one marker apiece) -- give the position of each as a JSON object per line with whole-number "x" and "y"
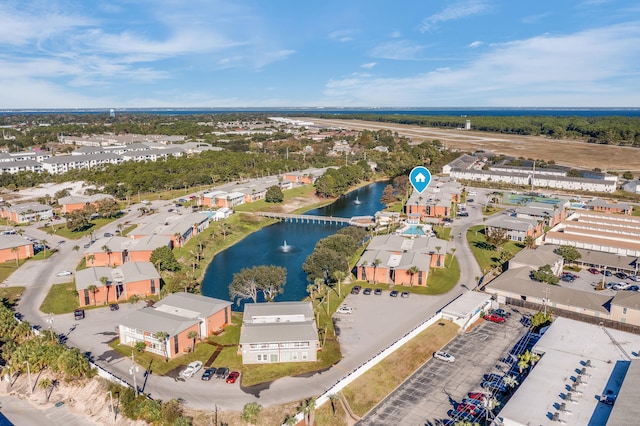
{"x": 612, "y": 130}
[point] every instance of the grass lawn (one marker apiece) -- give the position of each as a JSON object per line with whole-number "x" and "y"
{"x": 157, "y": 363}
{"x": 440, "y": 280}
{"x": 60, "y": 299}
{"x": 372, "y": 387}
{"x": 7, "y": 268}
{"x": 442, "y": 232}
{"x": 486, "y": 256}
{"x": 63, "y": 231}
{"x": 11, "y": 294}
{"x": 128, "y": 229}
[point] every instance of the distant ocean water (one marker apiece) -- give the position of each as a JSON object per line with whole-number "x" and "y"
{"x": 458, "y": 112}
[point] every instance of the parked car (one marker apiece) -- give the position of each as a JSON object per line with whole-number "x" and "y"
{"x": 344, "y": 309}
{"x": 633, "y": 288}
{"x": 377, "y": 291}
{"x": 594, "y": 271}
{"x": 404, "y": 294}
{"x": 394, "y": 293}
{"x": 108, "y": 234}
{"x": 444, "y": 356}
{"x": 634, "y": 278}
{"x": 355, "y": 289}
{"x": 222, "y": 373}
{"x": 606, "y": 272}
{"x": 78, "y": 314}
{"x": 478, "y": 396}
{"x": 233, "y": 376}
{"x": 64, "y": 273}
{"x": 366, "y": 291}
{"x": 114, "y": 307}
{"x": 191, "y": 369}
{"x": 621, "y": 275}
{"x": 494, "y": 318}
{"x": 208, "y": 373}
{"x": 568, "y": 277}
{"x": 621, "y": 286}
{"x": 467, "y": 408}
{"x": 500, "y": 312}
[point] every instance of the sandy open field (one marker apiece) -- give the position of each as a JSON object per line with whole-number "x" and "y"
{"x": 572, "y": 153}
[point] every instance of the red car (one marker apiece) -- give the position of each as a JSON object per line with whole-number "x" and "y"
{"x": 494, "y": 318}
{"x": 594, "y": 271}
{"x": 478, "y": 396}
{"x": 466, "y": 408}
{"x": 233, "y": 376}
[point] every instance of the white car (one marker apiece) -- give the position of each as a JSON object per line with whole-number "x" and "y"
{"x": 191, "y": 369}
{"x": 64, "y": 273}
{"x": 344, "y": 309}
{"x": 621, "y": 286}
{"x": 444, "y": 356}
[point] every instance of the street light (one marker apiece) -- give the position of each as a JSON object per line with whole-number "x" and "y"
{"x": 29, "y": 373}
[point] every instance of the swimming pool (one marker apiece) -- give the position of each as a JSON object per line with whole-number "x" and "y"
{"x": 413, "y": 230}
{"x": 519, "y": 199}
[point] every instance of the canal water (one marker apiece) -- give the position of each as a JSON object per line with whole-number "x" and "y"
{"x": 287, "y": 244}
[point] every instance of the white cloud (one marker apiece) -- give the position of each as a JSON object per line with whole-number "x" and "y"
{"x": 548, "y": 70}
{"x": 399, "y": 50}
{"x": 395, "y": 34}
{"x": 475, "y": 44}
{"x": 454, "y": 12}
{"x": 342, "y": 36}
{"x": 369, "y": 65}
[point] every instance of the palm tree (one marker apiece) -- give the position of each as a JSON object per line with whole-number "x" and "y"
{"x": 76, "y": 248}
{"x": 91, "y": 258}
{"x": 364, "y": 269}
{"x": 250, "y": 412}
{"x": 334, "y": 399}
{"x": 412, "y": 271}
{"x": 510, "y": 381}
{"x": 225, "y": 229}
{"x": 162, "y": 337}
{"x": 452, "y": 250}
{"x": 44, "y": 246}
{"x": 193, "y": 335}
{"x": 45, "y": 384}
{"x": 16, "y": 251}
{"x": 105, "y": 283}
{"x": 308, "y": 407}
{"x": 375, "y": 264}
{"x": 438, "y": 248}
{"x": 134, "y": 299}
{"x": 290, "y": 420}
{"x": 107, "y": 250}
{"x": 93, "y": 289}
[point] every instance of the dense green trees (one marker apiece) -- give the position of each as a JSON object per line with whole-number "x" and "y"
{"x": 332, "y": 254}
{"x": 164, "y": 259}
{"x": 545, "y": 274}
{"x": 265, "y": 280}
{"x": 274, "y": 194}
{"x": 614, "y": 130}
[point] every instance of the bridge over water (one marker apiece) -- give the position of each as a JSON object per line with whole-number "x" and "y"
{"x": 361, "y": 221}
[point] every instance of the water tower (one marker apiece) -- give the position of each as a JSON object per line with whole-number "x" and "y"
{"x": 112, "y": 113}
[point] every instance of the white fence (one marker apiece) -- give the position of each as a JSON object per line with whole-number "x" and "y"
{"x": 374, "y": 360}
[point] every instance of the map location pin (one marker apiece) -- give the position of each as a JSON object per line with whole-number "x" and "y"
{"x": 420, "y": 178}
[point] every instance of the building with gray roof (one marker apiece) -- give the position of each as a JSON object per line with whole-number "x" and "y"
{"x": 177, "y": 315}
{"x": 278, "y": 332}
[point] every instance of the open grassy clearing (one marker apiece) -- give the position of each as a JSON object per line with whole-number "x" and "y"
{"x": 484, "y": 253}
{"x": 372, "y": 387}
{"x": 61, "y": 299}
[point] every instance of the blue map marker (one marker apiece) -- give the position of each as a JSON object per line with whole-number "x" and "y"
{"x": 420, "y": 178}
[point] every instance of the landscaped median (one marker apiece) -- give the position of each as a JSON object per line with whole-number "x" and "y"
{"x": 372, "y": 387}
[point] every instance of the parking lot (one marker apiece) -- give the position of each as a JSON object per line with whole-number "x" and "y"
{"x": 587, "y": 281}
{"x": 438, "y": 386}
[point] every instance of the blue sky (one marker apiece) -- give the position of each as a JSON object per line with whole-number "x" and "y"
{"x": 379, "y": 53}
